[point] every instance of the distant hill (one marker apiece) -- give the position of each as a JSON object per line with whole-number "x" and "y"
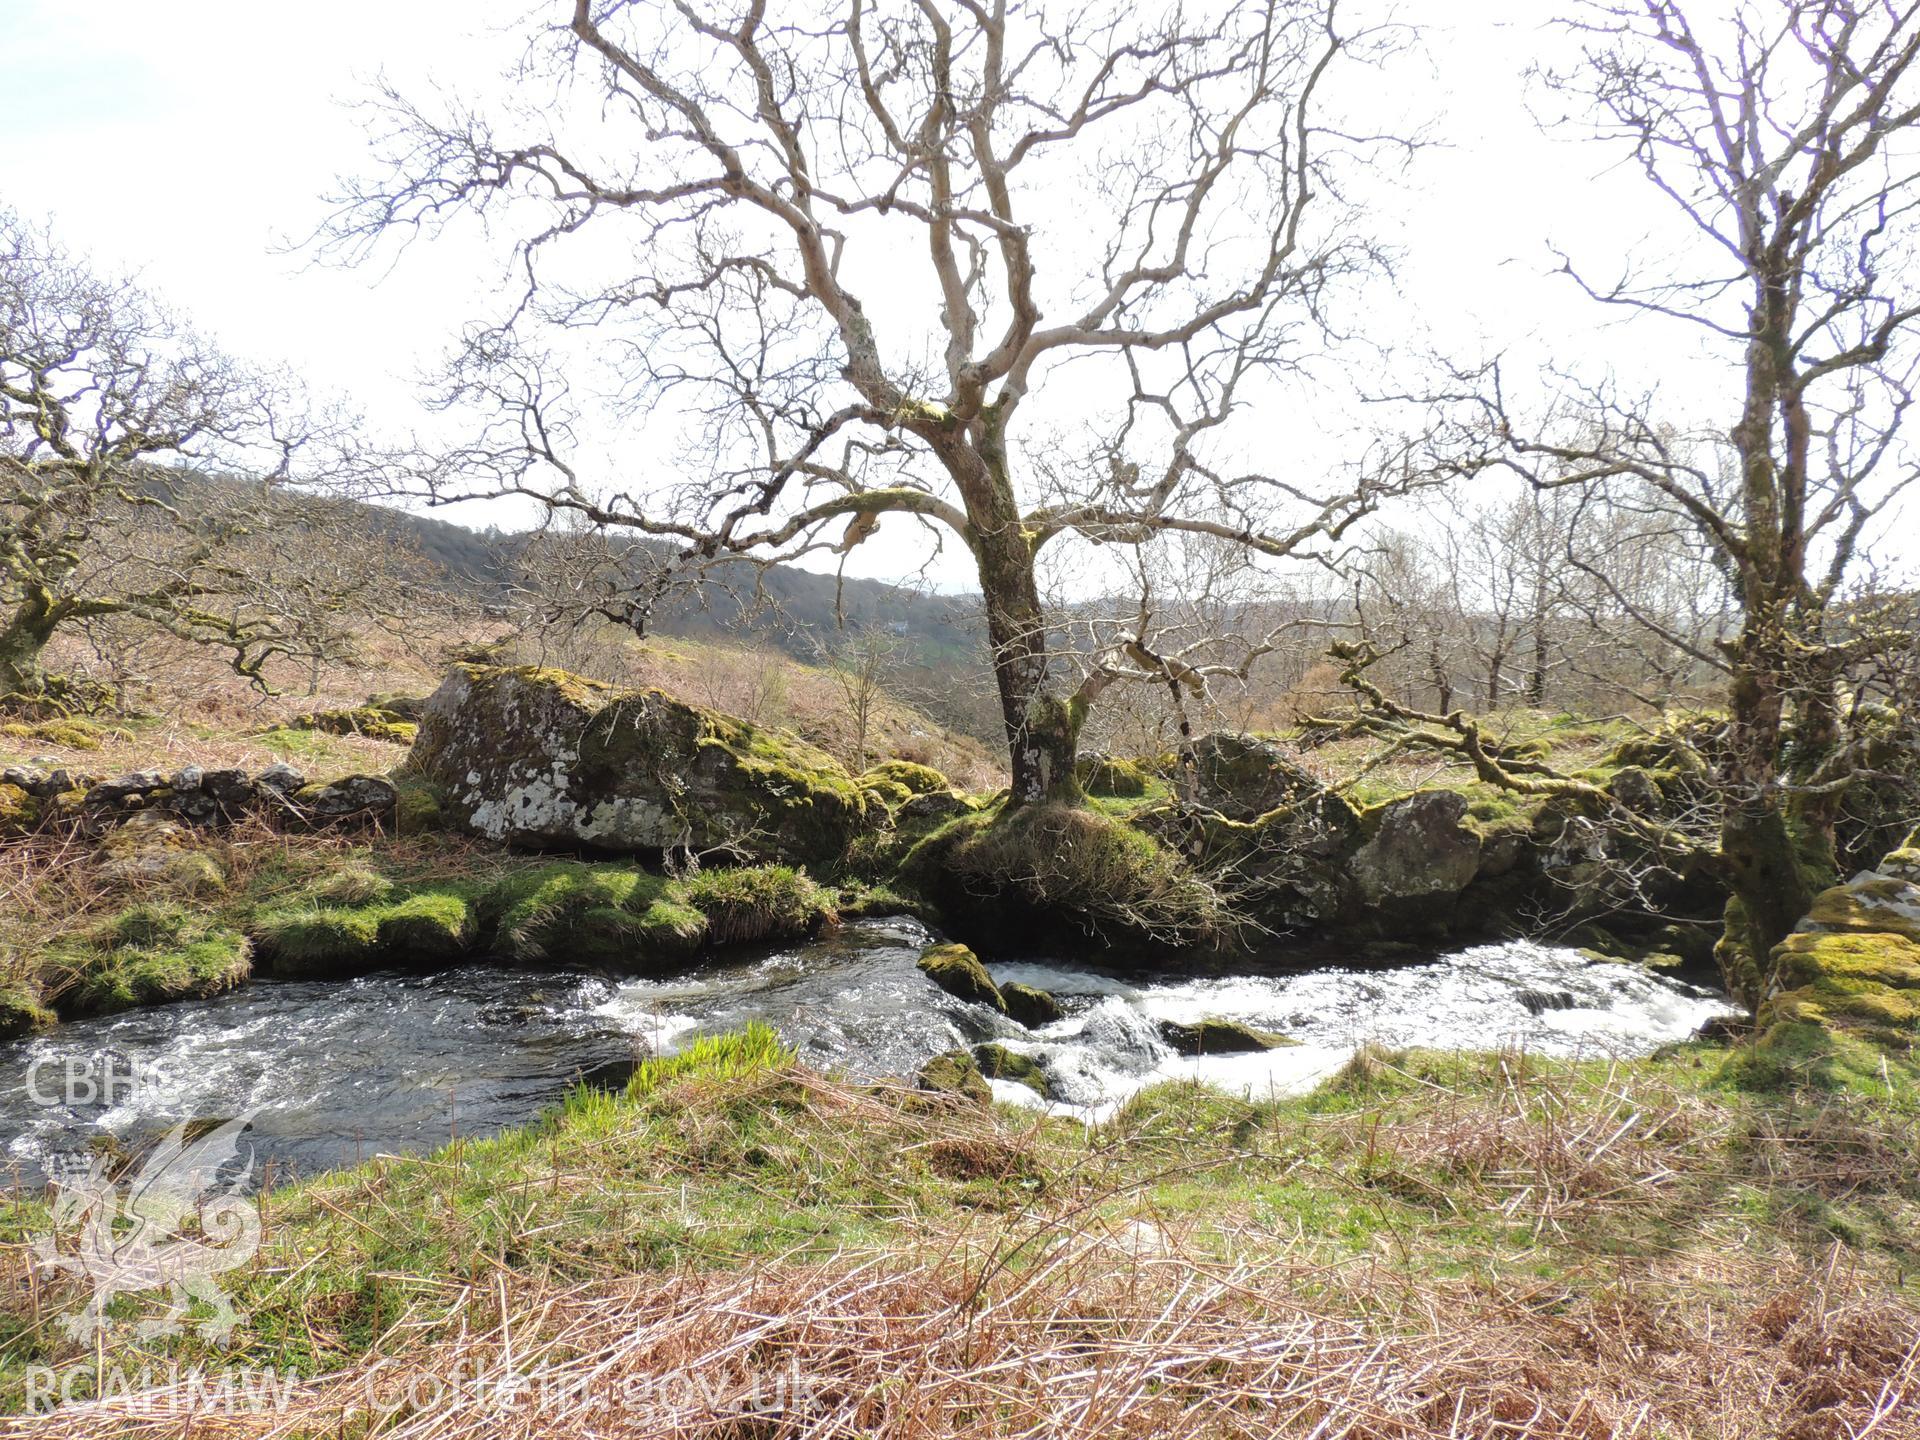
{"x": 796, "y": 610}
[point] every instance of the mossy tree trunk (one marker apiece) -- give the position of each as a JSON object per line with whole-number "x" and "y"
{"x": 1042, "y": 726}
{"x": 23, "y": 641}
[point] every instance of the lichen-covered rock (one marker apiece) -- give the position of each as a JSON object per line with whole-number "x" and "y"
{"x": 1244, "y": 777}
{"x": 1029, "y": 1006}
{"x": 1843, "y": 1001}
{"x": 1214, "y": 1036}
{"x": 543, "y": 758}
{"x": 357, "y": 798}
{"x": 958, "y": 971}
{"x": 1420, "y": 852}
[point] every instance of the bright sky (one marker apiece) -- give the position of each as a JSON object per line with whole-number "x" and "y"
{"x": 190, "y": 142}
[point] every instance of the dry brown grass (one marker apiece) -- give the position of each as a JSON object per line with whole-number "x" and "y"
{"x": 1113, "y": 1332}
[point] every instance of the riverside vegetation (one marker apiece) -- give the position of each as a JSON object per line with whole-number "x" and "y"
{"x": 1719, "y": 1237}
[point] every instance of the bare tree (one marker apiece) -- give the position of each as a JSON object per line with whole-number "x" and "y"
{"x": 108, "y": 407}
{"x": 1152, "y": 198}
{"x": 1785, "y": 135}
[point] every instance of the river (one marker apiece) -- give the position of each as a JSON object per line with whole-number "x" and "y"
{"x": 336, "y": 1071}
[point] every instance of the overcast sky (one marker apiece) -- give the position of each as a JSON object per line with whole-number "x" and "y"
{"x": 190, "y": 142}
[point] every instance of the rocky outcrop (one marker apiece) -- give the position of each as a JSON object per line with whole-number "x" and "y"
{"x": 1843, "y": 1002}
{"x": 1420, "y": 854}
{"x": 543, "y": 758}
{"x": 1244, "y": 777}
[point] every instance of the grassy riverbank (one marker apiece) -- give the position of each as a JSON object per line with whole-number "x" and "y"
{"x": 1429, "y": 1245}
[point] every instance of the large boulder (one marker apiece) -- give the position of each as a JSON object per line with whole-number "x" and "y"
{"x": 1843, "y": 995}
{"x": 543, "y": 758}
{"x": 1244, "y": 777}
{"x": 1420, "y": 853}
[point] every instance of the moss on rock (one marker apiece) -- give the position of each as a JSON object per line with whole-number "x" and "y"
{"x": 148, "y": 955}
{"x": 997, "y": 1062}
{"x": 1042, "y": 873}
{"x": 1844, "y": 1001}
{"x": 1215, "y": 1036}
{"x": 1029, "y": 1005}
{"x": 955, "y": 1073}
{"x": 958, "y": 971}
{"x": 19, "y": 811}
{"x": 369, "y": 721}
{"x": 542, "y": 758}
{"x": 428, "y": 926}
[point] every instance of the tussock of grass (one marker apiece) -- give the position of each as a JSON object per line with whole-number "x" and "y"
{"x": 146, "y": 955}
{"x": 1030, "y": 871}
{"x": 754, "y": 903}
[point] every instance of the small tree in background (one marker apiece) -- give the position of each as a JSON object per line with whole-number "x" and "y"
{"x": 113, "y": 414}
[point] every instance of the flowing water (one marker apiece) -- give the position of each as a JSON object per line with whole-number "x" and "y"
{"x": 334, "y": 1071}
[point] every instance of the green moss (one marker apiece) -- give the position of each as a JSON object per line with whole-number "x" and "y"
{"x": 1110, "y": 777}
{"x": 997, "y": 1062}
{"x": 913, "y": 779}
{"x": 21, "y": 1012}
{"x": 1029, "y": 1005}
{"x": 148, "y": 955}
{"x": 351, "y": 885}
{"x": 19, "y": 812}
{"x": 368, "y": 721}
{"x": 958, "y": 971}
{"x": 955, "y": 1073}
{"x": 73, "y": 734}
{"x": 755, "y": 903}
{"x": 419, "y": 804}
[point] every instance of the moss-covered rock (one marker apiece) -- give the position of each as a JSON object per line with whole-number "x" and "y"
{"x": 154, "y": 849}
{"x": 997, "y": 1062}
{"x": 369, "y": 721}
{"x": 1215, "y": 1036}
{"x": 1029, "y": 1005}
{"x": 1843, "y": 1002}
{"x": 543, "y": 758}
{"x": 955, "y": 1073}
{"x": 21, "y": 1012}
{"x": 147, "y": 955}
{"x": 1111, "y": 777}
{"x": 19, "y": 811}
{"x": 958, "y": 971}
{"x": 909, "y": 777}
{"x": 1044, "y": 874}
{"x": 1244, "y": 776}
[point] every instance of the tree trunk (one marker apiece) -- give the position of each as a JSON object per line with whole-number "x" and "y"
{"x": 23, "y": 640}
{"x": 1043, "y": 729}
{"x": 1776, "y": 846}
